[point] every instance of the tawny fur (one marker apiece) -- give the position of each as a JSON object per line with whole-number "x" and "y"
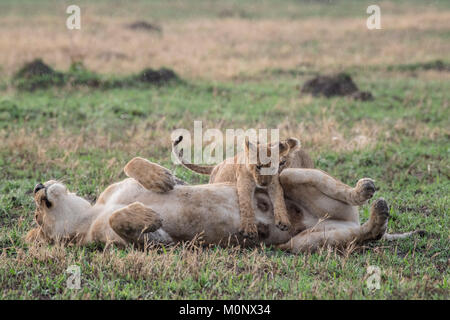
{"x": 151, "y": 179}
{"x": 247, "y": 177}
{"x": 126, "y": 212}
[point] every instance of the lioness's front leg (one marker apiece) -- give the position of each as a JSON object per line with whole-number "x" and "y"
{"x": 364, "y": 190}
{"x": 132, "y": 221}
{"x": 339, "y": 235}
{"x": 150, "y": 175}
{"x": 246, "y": 186}
{"x": 276, "y": 195}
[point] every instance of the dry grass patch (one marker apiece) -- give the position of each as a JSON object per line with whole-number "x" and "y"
{"x": 323, "y": 134}
{"x": 224, "y": 48}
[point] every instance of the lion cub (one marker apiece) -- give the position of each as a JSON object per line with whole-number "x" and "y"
{"x": 248, "y": 175}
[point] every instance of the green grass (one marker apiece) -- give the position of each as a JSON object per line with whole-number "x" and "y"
{"x": 411, "y": 170}
{"x": 247, "y": 9}
{"x": 84, "y": 136}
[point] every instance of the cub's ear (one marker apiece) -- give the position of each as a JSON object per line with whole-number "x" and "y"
{"x": 283, "y": 148}
{"x": 250, "y": 151}
{"x": 249, "y": 145}
{"x": 293, "y": 143}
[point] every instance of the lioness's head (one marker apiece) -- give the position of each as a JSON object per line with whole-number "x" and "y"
{"x": 263, "y": 161}
{"x": 58, "y": 211}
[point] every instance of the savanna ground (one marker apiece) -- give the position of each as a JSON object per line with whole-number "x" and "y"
{"x": 242, "y": 64}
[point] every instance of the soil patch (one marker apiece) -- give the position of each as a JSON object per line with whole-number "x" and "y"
{"x": 38, "y": 75}
{"x": 35, "y": 68}
{"x": 335, "y": 85}
{"x": 436, "y": 65}
{"x": 144, "y": 26}
{"x": 160, "y": 76}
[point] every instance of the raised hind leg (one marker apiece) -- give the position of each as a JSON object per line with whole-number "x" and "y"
{"x": 341, "y": 234}
{"x": 363, "y": 191}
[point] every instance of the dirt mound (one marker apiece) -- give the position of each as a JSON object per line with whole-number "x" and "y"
{"x": 35, "y": 68}
{"x": 335, "y": 85}
{"x": 145, "y": 26}
{"x": 160, "y": 76}
{"x": 437, "y": 65}
{"x": 37, "y": 75}
{"x": 362, "y": 95}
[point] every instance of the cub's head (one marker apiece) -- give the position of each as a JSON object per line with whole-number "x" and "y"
{"x": 294, "y": 145}
{"x": 58, "y": 211}
{"x": 264, "y": 161}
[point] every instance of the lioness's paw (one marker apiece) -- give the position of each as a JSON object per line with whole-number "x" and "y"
{"x": 144, "y": 218}
{"x": 132, "y": 221}
{"x": 150, "y": 175}
{"x": 379, "y": 215}
{"x": 380, "y": 208}
{"x": 364, "y": 190}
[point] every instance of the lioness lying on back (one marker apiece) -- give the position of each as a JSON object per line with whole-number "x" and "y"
{"x": 152, "y": 207}
{"x": 248, "y": 175}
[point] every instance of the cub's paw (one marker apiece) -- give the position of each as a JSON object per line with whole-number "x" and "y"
{"x": 364, "y": 190}
{"x": 150, "y": 175}
{"x": 283, "y": 225}
{"x": 249, "y": 231}
{"x": 263, "y": 231}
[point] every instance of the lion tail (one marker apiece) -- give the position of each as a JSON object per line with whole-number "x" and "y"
{"x": 193, "y": 167}
{"x": 396, "y": 236}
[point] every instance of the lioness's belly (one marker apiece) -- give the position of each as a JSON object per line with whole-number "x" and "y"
{"x": 211, "y": 211}
{"x": 191, "y": 210}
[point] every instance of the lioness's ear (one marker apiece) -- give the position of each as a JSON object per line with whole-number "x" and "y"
{"x": 293, "y": 143}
